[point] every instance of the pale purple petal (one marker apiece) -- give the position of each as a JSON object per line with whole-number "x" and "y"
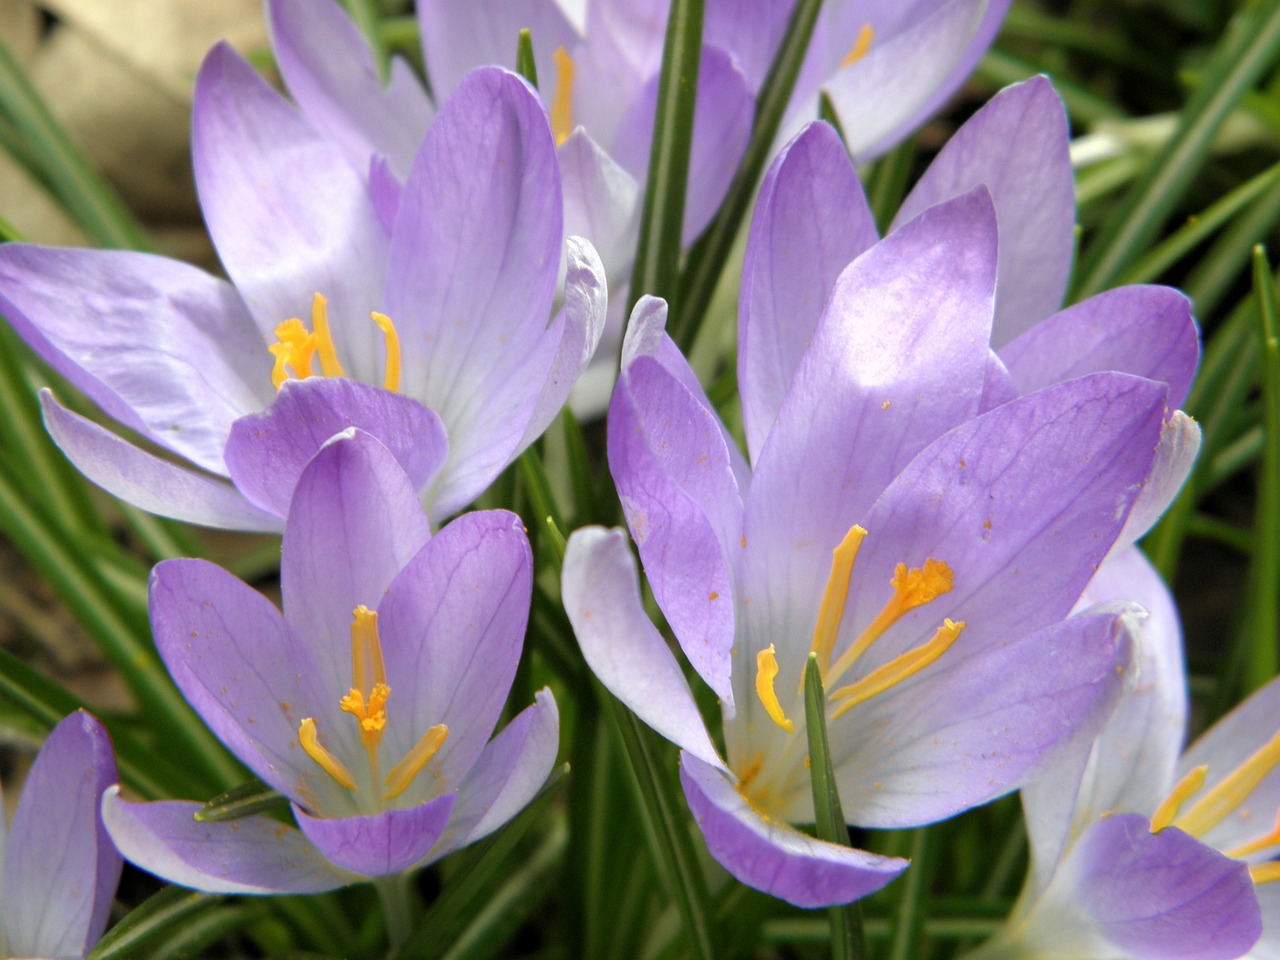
{"x": 146, "y": 481}
{"x": 1164, "y": 896}
{"x": 61, "y": 870}
{"x": 964, "y": 732}
{"x": 383, "y": 843}
{"x": 508, "y": 774}
{"x": 230, "y": 653}
{"x": 621, "y": 646}
{"x": 1230, "y": 742}
{"x": 1268, "y": 947}
{"x": 385, "y": 189}
{"x": 1144, "y": 330}
{"x": 162, "y": 347}
{"x": 750, "y": 30}
{"x": 623, "y": 50}
{"x": 252, "y": 855}
{"x": 811, "y": 220}
{"x": 267, "y": 451}
{"x": 723, "y": 115}
{"x": 474, "y": 257}
{"x": 355, "y": 522}
{"x": 670, "y": 462}
{"x": 1015, "y": 146}
{"x": 601, "y": 202}
{"x": 577, "y": 329}
{"x": 893, "y": 84}
{"x": 1175, "y": 456}
{"x": 899, "y": 357}
{"x": 772, "y": 856}
{"x": 457, "y": 37}
{"x": 329, "y": 70}
{"x": 1129, "y": 764}
{"x": 997, "y": 387}
{"x": 279, "y": 241}
{"x": 452, "y": 626}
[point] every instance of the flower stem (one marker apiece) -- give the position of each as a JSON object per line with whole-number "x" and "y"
{"x": 395, "y": 892}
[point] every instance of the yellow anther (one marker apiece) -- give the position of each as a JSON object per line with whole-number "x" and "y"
{"x": 329, "y": 364}
{"x": 860, "y": 46}
{"x": 391, "y": 379}
{"x": 1269, "y": 839}
{"x": 831, "y": 611}
{"x": 404, "y": 772}
{"x": 897, "y": 669}
{"x": 367, "y": 668}
{"x": 912, "y": 588}
{"x": 1170, "y": 805}
{"x": 562, "y": 102}
{"x": 1231, "y": 791}
{"x": 1265, "y": 872}
{"x": 310, "y": 740}
{"x": 294, "y": 347}
{"x": 766, "y": 673}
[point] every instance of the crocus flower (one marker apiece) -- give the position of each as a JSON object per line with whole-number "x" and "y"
{"x": 1140, "y": 853}
{"x": 58, "y": 869}
{"x": 924, "y": 531}
{"x": 369, "y": 703}
{"x": 438, "y": 295}
{"x": 887, "y": 67}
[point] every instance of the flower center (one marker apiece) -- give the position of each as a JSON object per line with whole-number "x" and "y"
{"x": 296, "y": 348}
{"x": 562, "y": 100}
{"x": 367, "y": 702}
{"x": 912, "y": 587}
{"x": 861, "y": 44}
{"x": 1220, "y": 802}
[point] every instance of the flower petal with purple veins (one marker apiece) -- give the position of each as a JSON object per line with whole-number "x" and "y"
{"x": 380, "y": 844}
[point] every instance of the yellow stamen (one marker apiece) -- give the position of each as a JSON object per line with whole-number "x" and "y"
{"x": 404, "y": 772}
{"x": 367, "y": 668}
{"x": 1265, "y": 872}
{"x": 1214, "y": 806}
{"x": 310, "y": 740}
{"x": 562, "y": 102}
{"x": 329, "y": 364}
{"x": 1269, "y": 839}
{"x": 294, "y": 347}
{"x": 911, "y": 588}
{"x": 391, "y": 380}
{"x": 766, "y": 673}
{"x": 897, "y": 669}
{"x": 860, "y": 46}
{"x": 1167, "y": 812}
{"x": 831, "y": 611}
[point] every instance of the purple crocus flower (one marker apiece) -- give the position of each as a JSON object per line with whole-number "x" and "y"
{"x": 1138, "y": 852}
{"x": 369, "y": 703}
{"x": 462, "y": 258}
{"x": 58, "y": 869}
{"x": 975, "y": 525}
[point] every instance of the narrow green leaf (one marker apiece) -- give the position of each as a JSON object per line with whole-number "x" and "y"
{"x": 367, "y": 17}
{"x": 910, "y": 916}
{"x": 243, "y": 801}
{"x": 482, "y": 868}
{"x": 1217, "y": 271}
{"x": 827, "y": 113}
{"x": 708, "y": 257}
{"x": 999, "y": 68}
{"x": 557, "y": 539}
{"x": 1248, "y": 48}
{"x": 149, "y": 924}
{"x": 657, "y": 260}
{"x": 664, "y": 819}
{"x": 846, "y": 922}
{"x": 84, "y": 192}
{"x": 526, "y": 66}
{"x": 887, "y": 182}
{"x": 1199, "y": 228}
{"x": 1263, "y": 617}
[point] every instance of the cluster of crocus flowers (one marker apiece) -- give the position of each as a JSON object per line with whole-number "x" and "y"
{"x": 1140, "y": 852}
{"x": 928, "y": 494}
{"x": 418, "y": 314}
{"x": 369, "y": 703}
{"x": 58, "y": 868}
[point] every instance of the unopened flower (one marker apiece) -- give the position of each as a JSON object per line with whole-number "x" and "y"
{"x": 925, "y": 534}
{"x": 1137, "y": 852}
{"x": 437, "y": 297}
{"x": 369, "y": 703}
{"x": 58, "y": 868}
